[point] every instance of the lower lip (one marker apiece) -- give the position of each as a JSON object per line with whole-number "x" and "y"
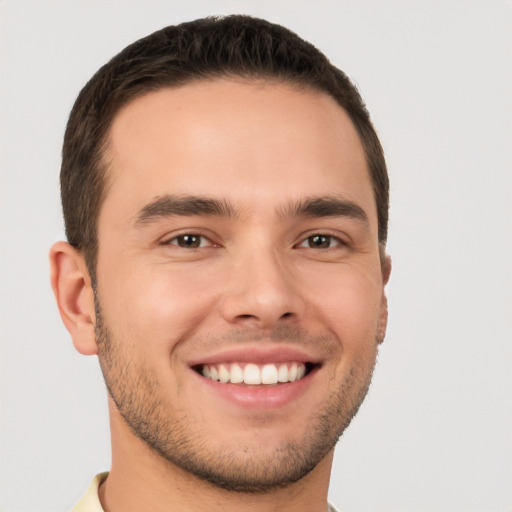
{"x": 259, "y": 397}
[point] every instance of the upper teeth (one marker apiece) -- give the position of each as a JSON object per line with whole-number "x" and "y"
{"x": 254, "y": 374}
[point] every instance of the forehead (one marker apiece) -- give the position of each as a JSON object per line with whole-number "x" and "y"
{"x": 249, "y": 142}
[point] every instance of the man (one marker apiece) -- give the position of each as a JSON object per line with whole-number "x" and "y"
{"x": 226, "y": 202}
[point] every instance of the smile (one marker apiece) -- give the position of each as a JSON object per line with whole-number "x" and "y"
{"x": 255, "y": 374}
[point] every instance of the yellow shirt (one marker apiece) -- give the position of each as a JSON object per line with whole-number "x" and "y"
{"x": 90, "y": 501}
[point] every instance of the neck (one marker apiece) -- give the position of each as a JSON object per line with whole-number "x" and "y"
{"x": 143, "y": 480}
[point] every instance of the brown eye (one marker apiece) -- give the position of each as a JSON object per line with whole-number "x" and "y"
{"x": 319, "y": 241}
{"x": 189, "y": 241}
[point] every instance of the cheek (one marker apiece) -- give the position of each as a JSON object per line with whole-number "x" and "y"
{"x": 157, "y": 303}
{"x": 348, "y": 303}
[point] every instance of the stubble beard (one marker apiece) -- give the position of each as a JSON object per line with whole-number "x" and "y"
{"x": 137, "y": 395}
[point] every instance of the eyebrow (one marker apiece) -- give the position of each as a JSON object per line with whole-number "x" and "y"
{"x": 169, "y": 206}
{"x": 186, "y": 206}
{"x": 329, "y": 206}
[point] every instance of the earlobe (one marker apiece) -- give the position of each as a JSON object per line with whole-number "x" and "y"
{"x": 383, "y": 317}
{"x": 386, "y": 269}
{"x": 75, "y": 298}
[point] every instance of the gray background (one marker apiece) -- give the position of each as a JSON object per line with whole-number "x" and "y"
{"x": 434, "y": 433}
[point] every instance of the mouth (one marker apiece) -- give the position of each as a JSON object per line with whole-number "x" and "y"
{"x": 254, "y": 374}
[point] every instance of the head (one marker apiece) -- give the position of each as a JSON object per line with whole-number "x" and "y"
{"x": 233, "y": 46}
{"x": 226, "y": 204}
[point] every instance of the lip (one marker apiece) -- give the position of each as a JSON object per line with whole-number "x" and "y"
{"x": 258, "y": 355}
{"x": 263, "y": 397}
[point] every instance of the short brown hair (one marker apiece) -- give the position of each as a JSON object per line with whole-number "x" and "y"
{"x": 176, "y": 55}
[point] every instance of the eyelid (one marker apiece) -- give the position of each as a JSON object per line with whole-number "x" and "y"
{"x": 341, "y": 240}
{"x": 170, "y": 238}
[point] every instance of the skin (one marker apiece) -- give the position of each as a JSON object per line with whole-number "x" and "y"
{"x": 257, "y": 284}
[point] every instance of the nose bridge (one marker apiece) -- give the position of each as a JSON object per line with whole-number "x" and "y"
{"x": 262, "y": 289}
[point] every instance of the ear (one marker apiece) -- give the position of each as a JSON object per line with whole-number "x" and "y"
{"x": 383, "y": 316}
{"x": 71, "y": 285}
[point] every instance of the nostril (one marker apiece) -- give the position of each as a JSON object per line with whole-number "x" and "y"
{"x": 284, "y": 315}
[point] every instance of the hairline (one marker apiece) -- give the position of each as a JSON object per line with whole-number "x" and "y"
{"x": 104, "y": 158}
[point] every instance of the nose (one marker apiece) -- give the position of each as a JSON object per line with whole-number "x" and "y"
{"x": 262, "y": 292}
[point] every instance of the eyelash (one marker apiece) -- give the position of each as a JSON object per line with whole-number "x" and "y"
{"x": 322, "y": 238}
{"x": 316, "y": 238}
{"x": 184, "y": 236}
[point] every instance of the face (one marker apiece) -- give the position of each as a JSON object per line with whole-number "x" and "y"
{"x": 240, "y": 292}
